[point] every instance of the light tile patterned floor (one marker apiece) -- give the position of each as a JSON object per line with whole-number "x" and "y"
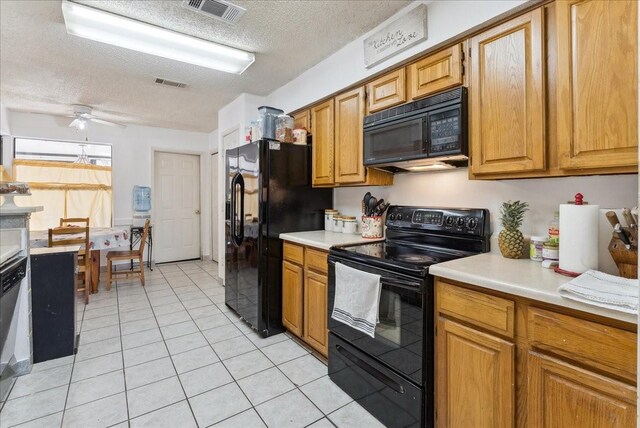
{"x": 173, "y": 355}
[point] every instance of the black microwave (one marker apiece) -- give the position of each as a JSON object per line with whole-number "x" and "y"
{"x": 427, "y": 134}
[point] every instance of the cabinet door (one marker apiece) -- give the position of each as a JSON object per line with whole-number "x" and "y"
{"x": 442, "y": 70}
{"x": 349, "y": 159}
{"x": 562, "y": 395}
{"x": 302, "y": 120}
{"x": 507, "y": 97}
{"x": 474, "y": 378}
{"x": 316, "y": 332}
{"x": 597, "y": 83}
{"x": 322, "y": 147}
{"x": 386, "y": 91}
{"x": 292, "y": 286}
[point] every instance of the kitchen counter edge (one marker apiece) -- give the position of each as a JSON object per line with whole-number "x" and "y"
{"x": 324, "y": 240}
{"x": 522, "y": 277}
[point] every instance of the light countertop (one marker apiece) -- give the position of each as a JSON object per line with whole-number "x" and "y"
{"x": 55, "y": 250}
{"x": 524, "y": 278}
{"x": 324, "y": 240}
{"x": 13, "y": 210}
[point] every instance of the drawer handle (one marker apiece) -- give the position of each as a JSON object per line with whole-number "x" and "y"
{"x": 371, "y": 370}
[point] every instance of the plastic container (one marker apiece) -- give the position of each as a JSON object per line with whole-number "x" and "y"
{"x": 299, "y": 136}
{"x": 328, "y": 219}
{"x": 554, "y": 229}
{"x": 349, "y": 224}
{"x": 535, "y": 248}
{"x": 284, "y": 128}
{"x": 267, "y": 121}
{"x": 141, "y": 199}
{"x": 550, "y": 251}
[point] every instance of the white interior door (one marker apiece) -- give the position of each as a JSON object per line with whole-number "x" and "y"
{"x": 176, "y": 230}
{"x": 214, "y": 208}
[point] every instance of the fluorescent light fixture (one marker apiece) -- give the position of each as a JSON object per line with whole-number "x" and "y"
{"x": 105, "y": 27}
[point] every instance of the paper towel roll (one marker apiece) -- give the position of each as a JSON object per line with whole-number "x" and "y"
{"x": 579, "y": 237}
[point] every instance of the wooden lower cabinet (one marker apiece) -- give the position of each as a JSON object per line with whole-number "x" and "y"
{"x": 304, "y": 295}
{"x": 559, "y": 368}
{"x": 292, "y": 286}
{"x": 564, "y": 395}
{"x": 316, "y": 333}
{"x": 476, "y": 378}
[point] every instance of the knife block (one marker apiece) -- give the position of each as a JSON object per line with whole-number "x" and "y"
{"x": 626, "y": 260}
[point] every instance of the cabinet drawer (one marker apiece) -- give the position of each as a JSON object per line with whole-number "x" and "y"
{"x": 490, "y": 312}
{"x": 294, "y": 253}
{"x": 599, "y": 346}
{"x": 316, "y": 260}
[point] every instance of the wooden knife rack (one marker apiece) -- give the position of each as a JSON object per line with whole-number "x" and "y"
{"x": 626, "y": 259}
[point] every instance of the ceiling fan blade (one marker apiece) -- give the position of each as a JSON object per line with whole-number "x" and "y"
{"x": 104, "y": 122}
{"x": 74, "y": 123}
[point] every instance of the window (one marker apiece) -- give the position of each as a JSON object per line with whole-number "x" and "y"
{"x": 67, "y": 179}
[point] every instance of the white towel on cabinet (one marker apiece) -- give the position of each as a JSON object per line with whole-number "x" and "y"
{"x": 604, "y": 290}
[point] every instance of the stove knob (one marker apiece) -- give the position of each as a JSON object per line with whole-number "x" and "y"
{"x": 399, "y": 217}
{"x": 460, "y": 221}
{"x": 392, "y": 217}
{"x": 472, "y": 223}
{"x": 449, "y": 221}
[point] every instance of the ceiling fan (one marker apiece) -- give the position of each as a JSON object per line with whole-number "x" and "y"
{"x": 82, "y": 116}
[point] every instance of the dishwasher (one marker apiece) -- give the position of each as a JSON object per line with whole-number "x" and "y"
{"x": 11, "y": 274}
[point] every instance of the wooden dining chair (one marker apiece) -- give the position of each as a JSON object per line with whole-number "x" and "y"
{"x": 62, "y": 236}
{"x": 129, "y": 256}
{"x": 73, "y": 222}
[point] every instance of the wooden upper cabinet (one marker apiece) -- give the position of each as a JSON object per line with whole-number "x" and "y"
{"x": 507, "y": 118}
{"x": 475, "y": 375}
{"x": 597, "y": 83}
{"x": 323, "y": 144}
{"x": 349, "y": 119}
{"x": 442, "y": 70}
{"x": 292, "y": 286}
{"x": 386, "y": 91}
{"x": 562, "y": 395}
{"x": 302, "y": 119}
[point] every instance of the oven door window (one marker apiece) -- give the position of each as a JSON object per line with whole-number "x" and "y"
{"x": 399, "y": 334}
{"x": 404, "y": 140}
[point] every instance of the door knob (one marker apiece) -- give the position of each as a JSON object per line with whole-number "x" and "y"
{"x": 197, "y": 211}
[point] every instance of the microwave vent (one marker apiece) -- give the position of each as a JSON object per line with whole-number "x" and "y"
{"x": 219, "y": 9}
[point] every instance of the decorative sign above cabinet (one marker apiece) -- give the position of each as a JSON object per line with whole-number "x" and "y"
{"x": 401, "y": 34}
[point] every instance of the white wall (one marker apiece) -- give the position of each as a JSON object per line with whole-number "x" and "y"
{"x": 132, "y": 157}
{"x": 454, "y": 189}
{"x": 445, "y": 19}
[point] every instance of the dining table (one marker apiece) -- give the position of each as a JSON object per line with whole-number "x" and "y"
{"x": 100, "y": 238}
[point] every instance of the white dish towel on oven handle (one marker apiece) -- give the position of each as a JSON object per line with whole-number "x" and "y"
{"x": 357, "y": 299}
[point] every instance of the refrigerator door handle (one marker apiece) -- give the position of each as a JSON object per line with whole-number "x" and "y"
{"x": 240, "y": 234}
{"x": 234, "y": 214}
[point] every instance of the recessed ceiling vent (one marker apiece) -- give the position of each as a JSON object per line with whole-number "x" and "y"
{"x": 219, "y": 9}
{"x": 171, "y": 83}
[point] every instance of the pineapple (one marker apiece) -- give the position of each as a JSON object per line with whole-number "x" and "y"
{"x": 510, "y": 239}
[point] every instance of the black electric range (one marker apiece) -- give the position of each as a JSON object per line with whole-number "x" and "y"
{"x": 391, "y": 375}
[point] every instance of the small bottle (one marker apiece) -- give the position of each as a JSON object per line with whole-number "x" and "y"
{"x": 554, "y": 229}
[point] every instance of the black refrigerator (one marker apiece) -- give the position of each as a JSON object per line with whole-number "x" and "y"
{"x": 268, "y": 192}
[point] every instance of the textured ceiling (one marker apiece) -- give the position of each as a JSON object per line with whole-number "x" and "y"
{"x": 44, "y": 70}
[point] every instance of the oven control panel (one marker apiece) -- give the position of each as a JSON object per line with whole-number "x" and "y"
{"x": 466, "y": 221}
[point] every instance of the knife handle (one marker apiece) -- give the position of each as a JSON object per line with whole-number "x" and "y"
{"x": 626, "y": 213}
{"x": 613, "y": 218}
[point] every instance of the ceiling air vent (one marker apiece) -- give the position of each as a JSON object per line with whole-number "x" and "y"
{"x": 219, "y": 9}
{"x": 171, "y": 83}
